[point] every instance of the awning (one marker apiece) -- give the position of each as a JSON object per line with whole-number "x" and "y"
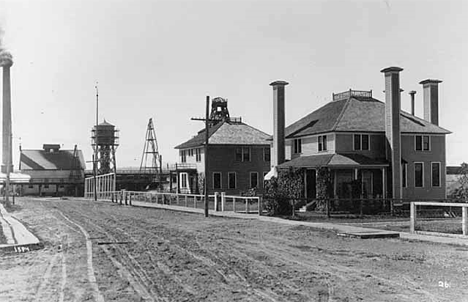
{"x": 15, "y": 178}
{"x": 336, "y": 160}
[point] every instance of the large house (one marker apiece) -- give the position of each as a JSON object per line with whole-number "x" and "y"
{"x": 393, "y": 154}
{"x": 239, "y": 156}
{"x": 53, "y": 172}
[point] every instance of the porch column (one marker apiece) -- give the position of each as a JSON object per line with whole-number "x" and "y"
{"x": 384, "y": 183}
{"x": 335, "y": 184}
{"x": 305, "y": 184}
{"x": 356, "y": 173}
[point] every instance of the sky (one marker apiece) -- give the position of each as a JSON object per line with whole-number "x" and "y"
{"x": 160, "y": 59}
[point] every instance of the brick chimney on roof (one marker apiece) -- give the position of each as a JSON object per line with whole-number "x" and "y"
{"x": 278, "y": 152}
{"x": 412, "y": 93}
{"x": 431, "y": 100}
{"x": 392, "y": 126}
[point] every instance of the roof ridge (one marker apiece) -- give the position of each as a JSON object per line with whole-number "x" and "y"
{"x": 340, "y": 116}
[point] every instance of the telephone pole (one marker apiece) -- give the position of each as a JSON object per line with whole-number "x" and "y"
{"x": 206, "y": 120}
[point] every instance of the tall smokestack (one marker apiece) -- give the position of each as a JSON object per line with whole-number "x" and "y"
{"x": 7, "y": 165}
{"x": 392, "y": 126}
{"x": 431, "y": 100}
{"x": 278, "y": 123}
{"x": 412, "y": 93}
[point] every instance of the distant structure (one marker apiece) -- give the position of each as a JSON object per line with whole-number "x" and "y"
{"x": 54, "y": 172}
{"x": 151, "y": 153}
{"x": 219, "y": 111}
{"x": 105, "y": 140}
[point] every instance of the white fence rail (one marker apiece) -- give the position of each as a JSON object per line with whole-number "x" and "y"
{"x": 463, "y": 206}
{"x": 219, "y": 202}
{"x": 101, "y": 185}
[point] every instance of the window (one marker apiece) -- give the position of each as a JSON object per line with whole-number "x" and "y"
{"x": 216, "y": 180}
{"x": 183, "y": 180}
{"x": 190, "y": 152}
{"x": 232, "y": 183}
{"x": 435, "y": 177}
{"x": 418, "y": 175}
{"x": 183, "y": 156}
{"x": 242, "y": 154}
{"x": 245, "y": 154}
{"x": 31, "y": 186}
{"x": 322, "y": 143}
{"x": 239, "y": 154}
{"x": 422, "y": 143}
{"x": 46, "y": 186}
{"x": 198, "y": 155}
{"x": 253, "y": 179}
{"x": 404, "y": 175}
{"x": 297, "y": 146}
{"x": 266, "y": 154}
{"x": 361, "y": 142}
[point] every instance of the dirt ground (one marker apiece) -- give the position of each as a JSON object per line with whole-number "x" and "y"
{"x": 106, "y": 252}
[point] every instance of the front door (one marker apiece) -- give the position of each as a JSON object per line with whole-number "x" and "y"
{"x": 311, "y": 184}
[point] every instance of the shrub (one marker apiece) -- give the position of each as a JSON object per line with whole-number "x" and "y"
{"x": 281, "y": 191}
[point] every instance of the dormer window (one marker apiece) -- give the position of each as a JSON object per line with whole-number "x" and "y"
{"x": 361, "y": 142}
{"x": 322, "y": 143}
{"x": 297, "y": 147}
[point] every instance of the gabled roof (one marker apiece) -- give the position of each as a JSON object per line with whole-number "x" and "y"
{"x": 356, "y": 114}
{"x": 43, "y": 160}
{"x": 333, "y": 160}
{"x": 227, "y": 133}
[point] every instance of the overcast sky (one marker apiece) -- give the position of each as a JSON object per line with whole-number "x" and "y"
{"x": 160, "y": 59}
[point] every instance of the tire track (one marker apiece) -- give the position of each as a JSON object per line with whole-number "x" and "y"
{"x": 89, "y": 249}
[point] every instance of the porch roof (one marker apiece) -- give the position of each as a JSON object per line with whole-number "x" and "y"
{"x": 336, "y": 160}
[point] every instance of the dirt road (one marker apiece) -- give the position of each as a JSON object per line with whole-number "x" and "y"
{"x": 106, "y": 252}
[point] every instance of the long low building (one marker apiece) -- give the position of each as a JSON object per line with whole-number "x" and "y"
{"x": 53, "y": 172}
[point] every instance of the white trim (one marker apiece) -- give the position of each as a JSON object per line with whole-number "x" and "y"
{"x": 414, "y": 170}
{"x": 235, "y": 180}
{"x": 440, "y": 176}
{"x": 220, "y": 180}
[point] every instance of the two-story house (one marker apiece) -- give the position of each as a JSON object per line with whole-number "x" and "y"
{"x": 238, "y": 156}
{"x": 393, "y": 153}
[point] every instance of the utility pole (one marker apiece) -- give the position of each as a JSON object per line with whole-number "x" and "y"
{"x": 95, "y": 156}
{"x": 207, "y": 120}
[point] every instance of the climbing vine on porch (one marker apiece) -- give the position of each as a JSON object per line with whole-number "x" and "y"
{"x": 281, "y": 191}
{"x": 324, "y": 187}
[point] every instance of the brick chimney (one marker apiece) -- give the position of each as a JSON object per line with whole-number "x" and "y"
{"x": 6, "y": 131}
{"x": 412, "y": 93}
{"x": 431, "y": 100}
{"x": 392, "y": 126}
{"x": 278, "y": 152}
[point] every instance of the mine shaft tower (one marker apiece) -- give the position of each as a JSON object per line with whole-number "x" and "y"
{"x": 151, "y": 160}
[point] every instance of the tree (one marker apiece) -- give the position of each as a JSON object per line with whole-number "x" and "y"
{"x": 462, "y": 191}
{"x": 281, "y": 192}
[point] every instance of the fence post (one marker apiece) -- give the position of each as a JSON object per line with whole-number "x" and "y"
{"x": 216, "y": 201}
{"x": 327, "y": 201}
{"x": 293, "y": 212}
{"x": 121, "y": 196}
{"x": 260, "y": 206}
{"x": 234, "y": 204}
{"x": 464, "y": 222}
{"x": 392, "y": 209}
{"x": 361, "y": 201}
{"x": 247, "y": 206}
{"x": 112, "y": 196}
{"x": 177, "y": 197}
{"x": 130, "y": 199}
{"x": 223, "y": 200}
{"x": 126, "y": 198}
{"x": 412, "y": 216}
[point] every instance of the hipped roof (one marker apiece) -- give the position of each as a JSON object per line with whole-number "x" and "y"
{"x": 356, "y": 114}
{"x": 58, "y": 160}
{"x": 227, "y": 133}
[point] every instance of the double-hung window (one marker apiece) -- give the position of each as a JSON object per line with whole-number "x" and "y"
{"x": 322, "y": 143}
{"x": 361, "y": 142}
{"x": 422, "y": 143}
{"x": 297, "y": 147}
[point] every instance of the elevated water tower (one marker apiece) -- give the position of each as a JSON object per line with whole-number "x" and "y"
{"x": 105, "y": 140}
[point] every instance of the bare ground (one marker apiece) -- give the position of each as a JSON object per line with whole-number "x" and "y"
{"x": 106, "y": 252}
